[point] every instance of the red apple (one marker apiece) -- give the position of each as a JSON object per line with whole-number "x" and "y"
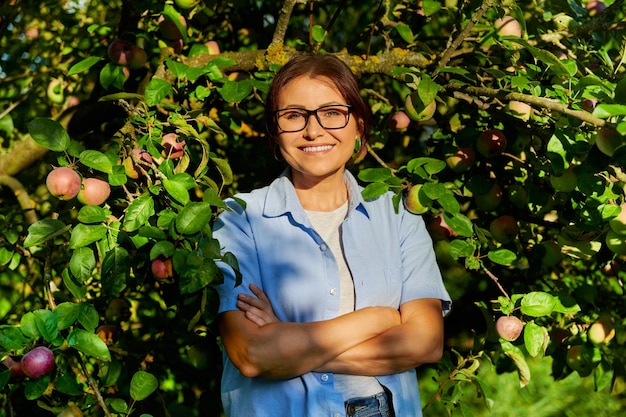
{"x": 139, "y": 58}
{"x": 168, "y": 28}
{"x": 118, "y": 309}
{"x": 399, "y": 121}
{"x": 504, "y": 228}
{"x": 94, "y": 192}
{"x": 38, "y": 362}
{"x": 64, "y": 183}
{"x": 594, "y": 7}
{"x": 15, "y": 369}
{"x": 439, "y": 229}
{"x": 120, "y": 52}
{"x": 162, "y": 268}
{"x": 589, "y": 104}
{"x": 491, "y": 142}
{"x": 108, "y": 333}
{"x": 509, "y": 327}
{"x": 508, "y": 26}
{"x": 213, "y": 47}
{"x": 172, "y": 149}
{"x": 461, "y": 160}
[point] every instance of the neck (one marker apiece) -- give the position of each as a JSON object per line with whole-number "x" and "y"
{"x": 325, "y": 194}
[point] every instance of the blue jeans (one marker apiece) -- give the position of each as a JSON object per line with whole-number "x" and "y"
{"x": 378, "y": 405}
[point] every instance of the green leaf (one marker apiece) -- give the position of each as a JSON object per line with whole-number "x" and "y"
{"x": 44, "y": 230}
{"x": 211, "y": 197}
{"x": 83, "y": 235}
{"x": 375, "y": 174}
{"x": 427, "y": 91}
{"x": 318, "y": 33}
{"x": 374, "y": 190}
{"x": 142, "y": 385}
{"x": 138, "y": 213}
{"x": 89, "y": 344}
{"x": 66, "y": 314}
{"x": 28, "y": 323}
{"x": 405, "y": 32}
{"x": 199, "y": 271}
{"x": 82, "y": 263}
{"x": 461, "y": 249}
{"x": 88, "y": 316}
{"x": 115, "y": 271}
{"x": 84, "y": 64}
{"x": 96, "y": 160}
{"x": 35, "y": 388}
{"x": 235, "y": 91}
{"x": 164, "y": 248}
{"x": 12, "y": 338}
{"x": 536, "y": 339}
{"x": 502, "y": 256}
{"x": 157, "y": 90}
{"x": 517, "y": 356}
{"x": 193, "y": 218}
{"x": 77, "y": 289}
{"x": 177, "y": 190}
{"x": 538, "y": 304}
{"x": 152, "y": 232}
{"x": 431, "y": 7}
{"x": 49, "y": 133}
{"x": 47, "y": 324}
{"x": 92, "y": 214}
{"x": 459, "y": 223}
{"x": 604, "y": 111}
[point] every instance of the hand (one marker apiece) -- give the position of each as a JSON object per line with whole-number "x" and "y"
{"x": 258, "y": 309}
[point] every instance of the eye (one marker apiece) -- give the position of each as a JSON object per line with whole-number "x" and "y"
{"x": 331, "y": 112}
{"x": 292, "y": 115}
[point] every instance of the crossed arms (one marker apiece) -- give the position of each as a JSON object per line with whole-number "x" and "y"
{"x": 370, "y": 341}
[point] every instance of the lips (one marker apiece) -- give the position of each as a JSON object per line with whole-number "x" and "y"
{"x": 320, "y": 148}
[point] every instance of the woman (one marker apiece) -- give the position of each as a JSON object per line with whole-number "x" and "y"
{"x": 341, "y": 298}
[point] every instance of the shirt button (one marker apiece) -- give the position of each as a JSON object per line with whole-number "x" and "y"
{"x": 323, "y": 247}
{"x": 324, "y": 378}
{"x": 333, "y": 291}
{"x": 337, "y": 414}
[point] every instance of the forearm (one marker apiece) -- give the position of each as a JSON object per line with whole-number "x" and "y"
{"x": 418, "y": 340}
{"x": 285, "y": 350}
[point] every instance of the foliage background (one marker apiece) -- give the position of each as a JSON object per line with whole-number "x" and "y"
{"x": 94, "y": 260}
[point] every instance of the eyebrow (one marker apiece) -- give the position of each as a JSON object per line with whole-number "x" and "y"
{"x": 298, "y": 106}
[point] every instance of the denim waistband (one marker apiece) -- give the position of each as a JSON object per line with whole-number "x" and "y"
{"x": 374, "y": 406}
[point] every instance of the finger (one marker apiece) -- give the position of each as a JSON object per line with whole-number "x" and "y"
{"x": 259, "y": 293}
{"x": 255, "y": 319}
{"x": 253, "y": 301}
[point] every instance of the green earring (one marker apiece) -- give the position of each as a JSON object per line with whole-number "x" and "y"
{"x": 357, "y": 145}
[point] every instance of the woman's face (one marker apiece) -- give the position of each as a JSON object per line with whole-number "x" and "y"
{"x": 315, "y": 153}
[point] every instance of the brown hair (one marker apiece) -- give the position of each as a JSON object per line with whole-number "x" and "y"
{"x": 314, "y": 66}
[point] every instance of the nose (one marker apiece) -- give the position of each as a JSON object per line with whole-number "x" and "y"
{"x": 313, "y": 128}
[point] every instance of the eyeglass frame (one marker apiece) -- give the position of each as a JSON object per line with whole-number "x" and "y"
{"x": 313, "y": 113}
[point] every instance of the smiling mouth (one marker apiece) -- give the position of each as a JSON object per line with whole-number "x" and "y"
{"x": 317, "y": 148}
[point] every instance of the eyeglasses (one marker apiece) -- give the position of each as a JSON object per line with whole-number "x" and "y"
{"x": 335, "y": 116}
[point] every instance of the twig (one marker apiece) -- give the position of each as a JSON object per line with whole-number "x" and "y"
{"x": 22, "y": 197}
{"x": 283, "y": 21}
{"x": 93, "y": 386}
{"x": 378, "y": 159}
{"x": 47, "y": 279}
{"x": 494, "y": 279}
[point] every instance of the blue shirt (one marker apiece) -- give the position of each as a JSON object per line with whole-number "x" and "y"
{"x": 390, "y": 256}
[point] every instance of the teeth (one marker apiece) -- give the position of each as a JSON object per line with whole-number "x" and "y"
{"x": 317, "y": 148}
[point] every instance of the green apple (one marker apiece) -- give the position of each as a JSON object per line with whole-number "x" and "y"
{"x": 618, "y": 223}
{"x": 608, "y": 140}
{"x": 601, "y": 332}
{"x": 580, "y": 359}
{"x": 615, "y": 242}
{"x": 490, "y": 200}
{"x": 461, "y": 160}
{"x": 550, "y": 252}
{"x": 566, "y": 182}
{"x": 503, "y": 228}
{"x": 185, "y": 4}
{"x": 417, "y": 110}
{"x": 55, "y": 91}
{"x": 416, "y": 201}
{"x": 508, "y": 26}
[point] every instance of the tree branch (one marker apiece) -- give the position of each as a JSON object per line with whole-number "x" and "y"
{"x": 22, "y": 197}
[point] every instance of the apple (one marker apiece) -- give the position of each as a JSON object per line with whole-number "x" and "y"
{"x": 615, "y": 242}
{"x": 415, "y": 201}
{"x": 94, "y": 192}
{"x": 38, "y": 362}
{"x": 517, "y": 195}
{"x": 169, "y": 29}
{"x": 618, "y": 223}
{"x": 579, "y": 358}
{"x": 70, "y": 411}
{"x": 120, "y": 52}
{"x": 108, "y": 333}
{"x": 63, "y": 183}
{"x": 72, "y": 101}
{"x": 55, "y": 91}
{"x": 139, "y": 57}
{"x": 130, "y": 162}
{"x": 490, "y": 200}
{"x": 508, "y": 26}
{"x": 162, "y": 268}
{"x": 417, "y": 110}
{"x": 439, "y": 229}
{"x": 491, "y": 142}
{"x": 509, "y": 327}
{"x": 15, "y": 369}
{"x": 504, "y": 228}
{"x": 172, "y": 148}
{"x": 213, "y": 47}
{"x": 565, "y": 182}
{"x": 589, "y": 104}
{"x": 399, "y": 121}
{"x": 185, "y": 4}
{"x": 520, "y": 109}
{"x": 31, "y": 33}
{"x": 461, "y": 160}
{"x": 611, "y": 268}
{"x": 608, "y": 140}
{"x": 594, "y": 7}
{"x": 117, "y": 310}
{"x": 601, "y": 332}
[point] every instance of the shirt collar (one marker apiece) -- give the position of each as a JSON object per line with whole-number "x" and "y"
{"x": 281, "y": 197}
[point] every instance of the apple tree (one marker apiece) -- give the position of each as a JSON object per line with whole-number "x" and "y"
{"x": 125, "y": 124}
